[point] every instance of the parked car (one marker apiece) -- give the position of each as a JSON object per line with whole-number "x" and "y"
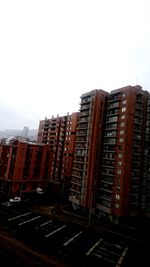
{"x": 39, "y": 191}
{"x": 15, "y": 199}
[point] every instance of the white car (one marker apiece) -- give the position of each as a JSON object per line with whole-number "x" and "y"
{"x": 15, "y": 199}
{"x": 39, "y": 191}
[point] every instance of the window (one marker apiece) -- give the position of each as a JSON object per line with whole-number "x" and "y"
{"x": 118, "y": 182}
{"x": 124, "y": 102}
{"x": 122, "y": 124}
{"x": 117, "y": 196}
{"x": 123, "y": 109}
{"x": 121, "y": 131}
{"x": 119, "y": 171}
{"x": 119, "y": 163}
{"x": 120, "y": 156}
{"x": 117, "y": 205}
{"x": 121, "y": 140}
{"x": 123, "y": 117}
{"x": 123, "y": 95}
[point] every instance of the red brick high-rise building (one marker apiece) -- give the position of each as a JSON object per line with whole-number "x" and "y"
{"x": 59, "y": 133}
{"x": 109, "y": 162}
{"x": 88, "y": 146}
{"x": 24, "y": 167}
{"x": 122, "y": 162}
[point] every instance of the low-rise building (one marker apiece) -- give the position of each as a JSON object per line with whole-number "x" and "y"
{"x": 24, "y": 167}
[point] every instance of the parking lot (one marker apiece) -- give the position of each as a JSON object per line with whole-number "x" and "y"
{"x": 72, "y": 244}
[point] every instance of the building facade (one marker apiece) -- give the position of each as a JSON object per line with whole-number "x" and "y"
{"x": 146, "y": 169}
{"x": 24, "y": 167}
{"x": 59, "y": 133}
{"x": 111, "y": 159}
{"x": 122, "y": 162}
{"x": 86, "y": 167}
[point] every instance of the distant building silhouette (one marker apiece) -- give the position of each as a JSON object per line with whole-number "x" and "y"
{"x": 25, "y": 132}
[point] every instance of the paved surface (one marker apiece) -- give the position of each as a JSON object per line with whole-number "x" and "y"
{"x": 46, "y": 240}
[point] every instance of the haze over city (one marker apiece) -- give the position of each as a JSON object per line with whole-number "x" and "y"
{"x": 53, "y": 51}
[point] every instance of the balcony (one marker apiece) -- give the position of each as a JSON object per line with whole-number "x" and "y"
{"x": 84, "y": 114}
{"x": 113, "y": 112}
{"x": 79, "y": 160}
{"x": 111, "y": 134}
{"x": 109, "y": 149}
{"x": 84, "y": 107}
{"x": 83, "y": 127}
{"x": 106, "y": 190}
{"x": 109, "y": 143}
{"x": 112, "y": 126}
{"x": 113, "y": 105}
{"x": 79, "y": 146}
{"x": 76, "y": 191}
{"x": 110, "y": 182}
{"x": 108, "y": 166}
{"x": 80, "y": 141}
{"x": 86, "y": 100}
{"x": 108, "y": 174}
{"x": 112, "y": 119}
{"x": 140, "y": 99}
{"x": 83, "y": 121}
{"x": 82, "y": 134}
{"x": 113, "y": 99}
{"x": 139, "y": 114}
{"x": 138, "y": 121}
{"x": 76, "y": 183}
{"x": 76, "y": 176}
{"x": 139, "y": 107}
{"x": 77, "y": 168}
{"x": 109, "y": 158}
{"x": 106, "y": 197}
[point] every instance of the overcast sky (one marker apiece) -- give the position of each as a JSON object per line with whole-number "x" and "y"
{"x": 53, "y": 51}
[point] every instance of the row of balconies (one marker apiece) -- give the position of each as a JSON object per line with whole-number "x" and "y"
{"x": 113, "y": 112}
{"x": 78, "y": 159}
{"x": 109, "y": 148}
{"x": 80, "y": 145}
{"x": 80, "y": 152}
{"x": 109, "y": 166}
{"x": 113, "y": 98}
{"x": 83, "y": 120}
{"x": 79, "y": 140}
{"x": 84, "y": 107}
{"x": 106, "y": 190}
{"x": 84, "y": 113}
{"x": 113, "y": 105}
{"x": 76, "y": 176}
{"x": 86, "y": 100}
{"x": 106, "y": 179}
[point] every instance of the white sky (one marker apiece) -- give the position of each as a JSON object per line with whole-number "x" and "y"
{"x": 53, "y": 51}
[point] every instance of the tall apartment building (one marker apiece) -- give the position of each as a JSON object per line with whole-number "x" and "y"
{"x": 87, "y": 153}
{"x": 69, "y": 145}
{"x": 59, "y": 133}
{"x": 122, "y": 162}
{"x": 146, "y": 169}
{"x": 24, "y": 166}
